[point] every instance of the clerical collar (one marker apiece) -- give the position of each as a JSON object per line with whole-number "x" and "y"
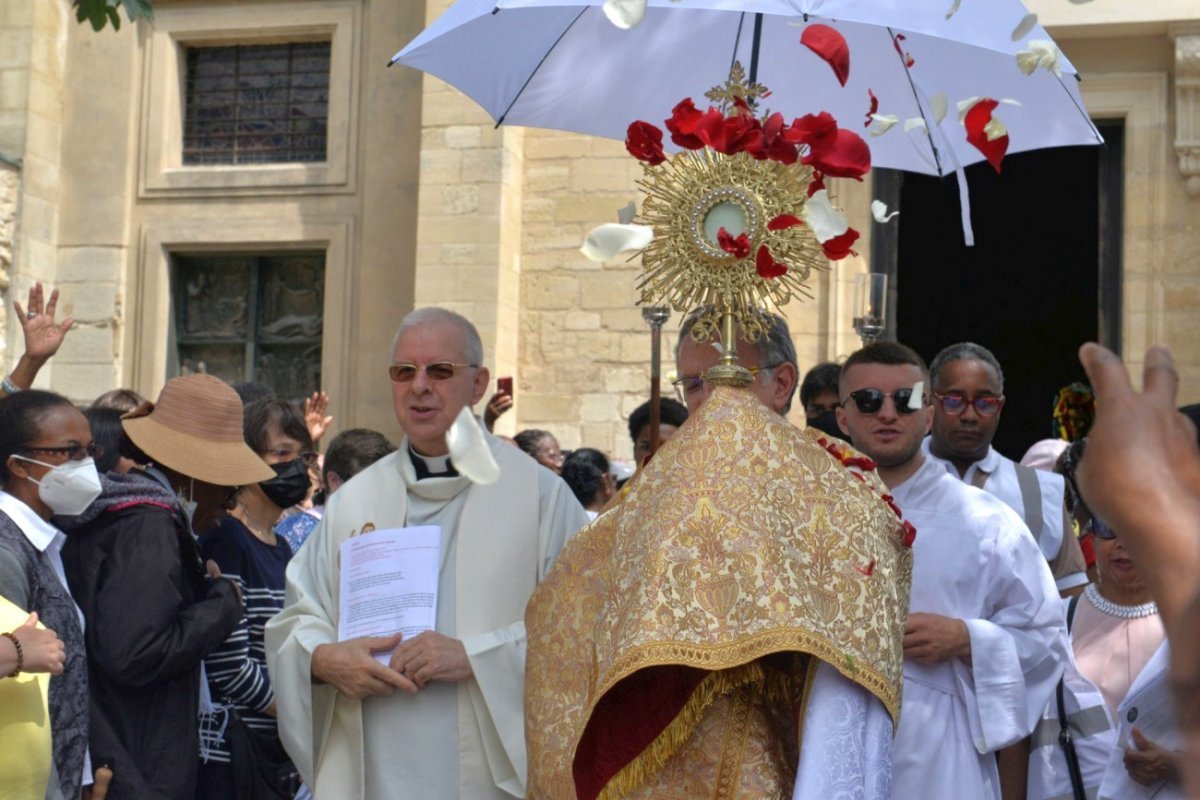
{"x": 431, "y": 466}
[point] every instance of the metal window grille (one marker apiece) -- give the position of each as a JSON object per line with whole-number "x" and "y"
{"x": 256, "y": 104}
{"x": 251, "y": 318}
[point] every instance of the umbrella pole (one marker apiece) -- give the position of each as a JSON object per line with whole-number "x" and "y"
{"x": 656, "y": 316}
{"x": 754, "y": 43}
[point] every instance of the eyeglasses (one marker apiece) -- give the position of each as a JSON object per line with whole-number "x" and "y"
{"x": 690, "y": 384}
{"x": 72, "y": 452}
{"x": 1100, "y": 529}
{"x": 869, "y": 401}
{"x": 985, "y": 405}
{"x": 438, "y": 371}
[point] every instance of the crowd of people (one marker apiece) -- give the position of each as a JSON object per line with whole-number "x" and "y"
{"x": 170, "y": 583}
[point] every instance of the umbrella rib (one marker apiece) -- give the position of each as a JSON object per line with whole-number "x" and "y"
{"x": 1082, "y": 110}
{"x": 916, "y": 98}
{"x": 737, "y": 39}
{"x": 545, "y": 55}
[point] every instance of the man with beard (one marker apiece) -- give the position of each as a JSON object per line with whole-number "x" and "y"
{"x": 985, "y": 641}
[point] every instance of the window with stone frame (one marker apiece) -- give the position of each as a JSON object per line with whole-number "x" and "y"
{"x": 256, "y": 104}
{"x": 255, "y": 317}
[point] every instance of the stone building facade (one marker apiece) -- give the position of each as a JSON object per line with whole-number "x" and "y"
{"x": 421, "y": 200}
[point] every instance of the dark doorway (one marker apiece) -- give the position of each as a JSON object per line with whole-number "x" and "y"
{"x": 1043, "y": 277}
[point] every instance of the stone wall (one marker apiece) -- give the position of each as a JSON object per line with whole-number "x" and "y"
{"x": 10, "y": 187}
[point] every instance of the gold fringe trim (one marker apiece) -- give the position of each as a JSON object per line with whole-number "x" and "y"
{"x": 774, "y": 686}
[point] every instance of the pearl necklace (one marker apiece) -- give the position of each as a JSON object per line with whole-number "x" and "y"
{"x": 1107, "y": 606}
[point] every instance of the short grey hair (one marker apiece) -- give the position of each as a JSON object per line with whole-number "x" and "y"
{"x": 964, "y": 351}
{"x": 421, "y": 316}
{"x": 773, "y": 349}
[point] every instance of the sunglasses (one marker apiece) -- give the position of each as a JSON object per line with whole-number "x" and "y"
{"x": 73, "y": 452}
{"x": 869, "y": 401}
{"x": 438, "y": 371}
{"x": 985, "y": 406}
{"x": 1101, "y": 530}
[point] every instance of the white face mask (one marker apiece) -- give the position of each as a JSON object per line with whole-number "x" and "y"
{"x": 68, "y": 488}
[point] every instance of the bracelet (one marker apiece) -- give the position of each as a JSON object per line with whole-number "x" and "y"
{"x": 8, "y": 386}
{"x": 20, "y": 654}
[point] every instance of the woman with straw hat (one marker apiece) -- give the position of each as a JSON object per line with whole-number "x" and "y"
{"x": 152, "y": 612}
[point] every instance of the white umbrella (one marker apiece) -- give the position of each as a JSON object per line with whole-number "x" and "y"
{"x": 564, "y": 65}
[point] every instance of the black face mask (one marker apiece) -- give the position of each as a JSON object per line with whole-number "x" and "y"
{"x": 826, "y": 422}
{"x": 290, "y": 484}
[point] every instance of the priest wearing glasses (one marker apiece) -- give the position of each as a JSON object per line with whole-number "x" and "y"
{"x": 442, "y": 715}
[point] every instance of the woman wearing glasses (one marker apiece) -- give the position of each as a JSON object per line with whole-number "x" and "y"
{"x": 1119, "y": 665}
{"x": 247, "y": 548}
{"x": 46, "y": 469}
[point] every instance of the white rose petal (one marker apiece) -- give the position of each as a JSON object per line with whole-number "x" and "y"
{"x": 1008, "y": 101}
{"x": 884, "y": 123}
{"x": 625, "y": 13}
{"x": 625, "y": 215}
{"x": 822, "y": 218}
{"x": 953, "y": 9}
{"x": 879, "y": 212}
{"x": 915, "y": 122}
{"x": 995, "y": 129}
{"x": 1023, "y": 28}
{"x": 916, "y": 400}
{"x": 1041, "y": 53}
{"x": 940, "y": 106}
{"x": 610, "y": 239}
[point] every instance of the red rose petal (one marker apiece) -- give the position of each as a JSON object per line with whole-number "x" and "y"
{"x": 838, "y": 247}
{"x": 846, "y": 157}
{"x": 685, "y": 117}
{"x": 831, "y": 47}
{"x": 783, "y": 222}
{"x": 739, "y": 247}
{"x": 906, "y": 56}
{"x": 766, "y": 265}
{"x": 975, "y": 121}
{"x": 644, "y": 142}
{"x": 874, "y": 107}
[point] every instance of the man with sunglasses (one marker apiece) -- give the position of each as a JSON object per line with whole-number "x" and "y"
{"x": 985, "y": 641}
{"x": 455, "y": 728}
{"x": 968, "y": 394}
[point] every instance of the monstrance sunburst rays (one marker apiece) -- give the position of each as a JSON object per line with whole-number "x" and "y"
{"x": 688, "y": 199}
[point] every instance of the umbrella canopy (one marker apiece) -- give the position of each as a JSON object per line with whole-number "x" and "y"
{"x": 563, "y": 65}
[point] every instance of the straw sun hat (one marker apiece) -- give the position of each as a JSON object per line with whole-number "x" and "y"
{"x": 195, "y": 428}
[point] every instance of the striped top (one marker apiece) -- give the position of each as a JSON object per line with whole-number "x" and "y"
{"x": 237, "y": 670}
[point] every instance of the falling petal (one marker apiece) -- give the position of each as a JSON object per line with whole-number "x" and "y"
{"x": 1027, "y": 61}
{"x": 873, "y": 106}
{"x": 831, "y": 47}
{"x": 979, "y": 124}
{"x": 766, "y": 265}
{"x": 884, "y": 123}
{"x": 953, "y": 9}
{"x": 915, "y": 122}
{"x": 940, "y": 106}
{"x": 917, "y": 399}
{"x": 1023, "y": 28}
{"x": 625, "y": 13}
{"x": 625, "y": 215}
{"x": 966, "y": 105}
{"x": 879, "y": 211}
{"x": 825, "y": 221}
{"x": 995, "y": 129}
{"x": 606, "y": 241}
{"x": 783, "y": 222}
{"x": 1008, "y": 101}
{"x": 838, "y": 247}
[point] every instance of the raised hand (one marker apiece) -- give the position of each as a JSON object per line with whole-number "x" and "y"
{"x": 314, "y": 415}
{"x": 43, "y": 336}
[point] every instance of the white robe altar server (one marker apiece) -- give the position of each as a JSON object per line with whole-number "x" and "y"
{"x": 444, "y": 718}
{"x": 985, "y": 641}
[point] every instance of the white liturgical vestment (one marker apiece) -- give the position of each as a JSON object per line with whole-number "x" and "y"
{"x": 448, "y": 740}
{"x": 974, "y": 560}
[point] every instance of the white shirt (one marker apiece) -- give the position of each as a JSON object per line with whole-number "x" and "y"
{"x": 1002, "y": 483}
{"x": 973, "y": 559}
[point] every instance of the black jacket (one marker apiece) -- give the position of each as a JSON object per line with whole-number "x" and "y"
{"x": 152, "y": 616}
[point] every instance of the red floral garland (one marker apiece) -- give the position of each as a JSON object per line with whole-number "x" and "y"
{"x": 866, "y": 464}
